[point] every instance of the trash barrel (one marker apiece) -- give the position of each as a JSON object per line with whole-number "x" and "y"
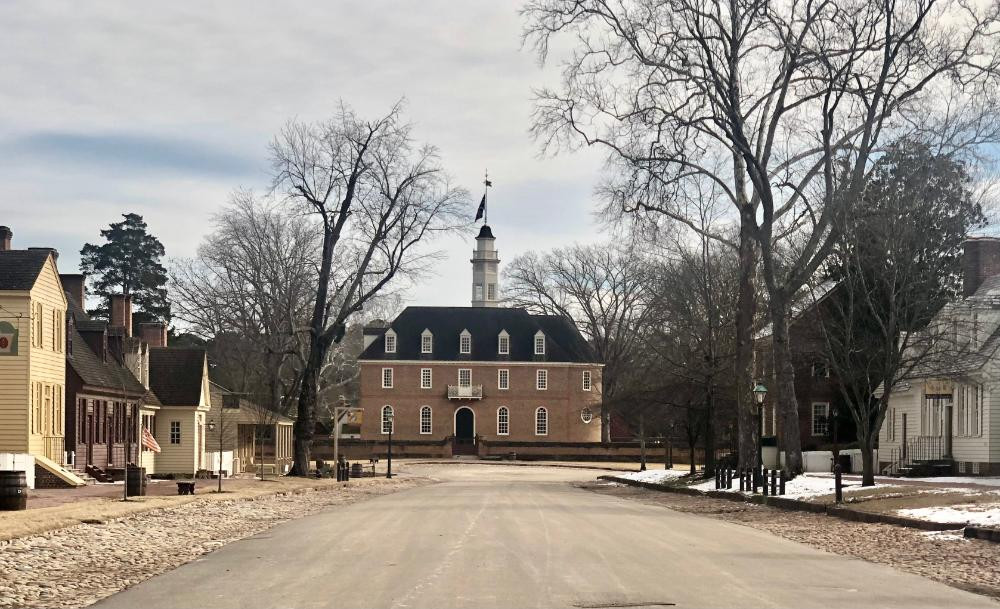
{"x": 845, "y": 463}
{"x": 356, "y": 471}
{"x": 135, "y": 482}
{"x": 13, "y": 490}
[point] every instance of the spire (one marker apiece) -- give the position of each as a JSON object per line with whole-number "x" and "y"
{"x": 485, "y": 261}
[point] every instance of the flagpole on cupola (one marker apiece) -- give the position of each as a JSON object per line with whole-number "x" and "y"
{"x": 482, "y": 211}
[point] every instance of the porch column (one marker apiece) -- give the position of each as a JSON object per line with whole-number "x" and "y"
{"x": 947, "y": 431}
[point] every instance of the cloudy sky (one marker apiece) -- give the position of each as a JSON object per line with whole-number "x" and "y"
{"x": 164, "y": 109}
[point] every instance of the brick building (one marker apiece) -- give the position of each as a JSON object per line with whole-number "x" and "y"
{"x": 463, "y": 378}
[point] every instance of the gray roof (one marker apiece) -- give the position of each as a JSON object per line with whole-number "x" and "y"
{"x": 19, "y": 269}
{"x": 175, "y": 374}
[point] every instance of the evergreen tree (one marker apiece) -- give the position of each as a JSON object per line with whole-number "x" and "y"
{"x": 128, "y": 263}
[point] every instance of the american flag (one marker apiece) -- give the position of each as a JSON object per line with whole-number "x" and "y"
{"x": 148, "y": 441}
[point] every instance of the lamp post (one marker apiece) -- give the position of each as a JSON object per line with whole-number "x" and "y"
{"x": 388, "y": 472}
{"x": 759, "y": 393}
{"x": 211, "y": 427}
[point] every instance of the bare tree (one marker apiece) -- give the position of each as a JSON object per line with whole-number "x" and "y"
{"x": 601, "y": 288}
{"x": 783, "y": 107}
{"x": 377, "y": 196}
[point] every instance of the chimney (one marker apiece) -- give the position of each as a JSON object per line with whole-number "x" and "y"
{"x": 121, "y": 312}
{"x": 51, "y": 250}
{"x": 76, "y": 285}
{"x": 980, "y": 260}
{"x": 5, "y": 236}
{"x": 154, "y": 333}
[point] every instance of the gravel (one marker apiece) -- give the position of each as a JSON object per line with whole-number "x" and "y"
{"x": 973, "y": 565}
{"x": 79, "y": 565}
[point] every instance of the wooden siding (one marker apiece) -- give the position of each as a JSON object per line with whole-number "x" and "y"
{"x": 15, "y": 397}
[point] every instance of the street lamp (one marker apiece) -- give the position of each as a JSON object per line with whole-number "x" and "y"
{"x": 389, "y": 415}
{"x": 759, "y": 393}
{"x": 211, "y": 427}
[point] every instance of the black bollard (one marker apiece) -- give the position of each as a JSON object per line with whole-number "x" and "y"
{"x": 718, "y": 473}
{"x": 755, "y": 475}
{"x": 729, "y": 478}
{"x": 781, "y": 488}
{"x": 774, "y": 482}
{"x": 764, "y": 482}
{"x": 743, "y": 481}
{"x": 837, "y": 485}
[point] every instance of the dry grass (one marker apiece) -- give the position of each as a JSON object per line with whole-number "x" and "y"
{"x": 35, "y": 521}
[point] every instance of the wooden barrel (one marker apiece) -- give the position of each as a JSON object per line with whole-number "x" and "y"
{"x": 135, "y": 481}
{"x": 356, "y": 470}
{"x": 13, "y": 490}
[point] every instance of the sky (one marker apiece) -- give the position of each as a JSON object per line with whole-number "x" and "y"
{"x": 165, "y": 109}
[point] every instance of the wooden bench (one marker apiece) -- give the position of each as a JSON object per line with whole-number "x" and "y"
{"x": 185, "y": 487}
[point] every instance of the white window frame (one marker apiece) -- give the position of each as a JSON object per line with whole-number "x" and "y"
{"x": 541, "y": 416}
{"x": 503, "y": 422}
{"x": 430, "y": 420}
{"x": 430, "y": 378}
{"x": 467, "y": 370}
{"x": 542, "y": 379}
{"x": 465, "y": 342}
{"x": 426, "y": 342}
{"x": 503, "y": 374}
{"x": 503, "y": 343}
{"x": 826, "y": 416}
{"x": 389, "y": 339}
{"x": 491, "y": 291}
{"x": 588, "y": 381}
{"x": 387, "y": 378}
{"x": 388, "y": 425}
{"x": 539, "y": 343}
{"x": 175, "y": 432}
{"x": 825, "y": 370}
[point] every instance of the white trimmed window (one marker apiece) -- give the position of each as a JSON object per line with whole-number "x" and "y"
{"x": 386, "y": 378}
{"x": 465, "y": 377}
{"x": 175, "y": 432}
{"x": 503, "y": 343}
{"x": 491, "y": 291}
{"x": 820, "y": 370}
{"x": 503, "y": 421}
{"x": 465, "y": 342}
{"x": 503, "y": 378}
{"x": 388, "y": 421}
{"x": 425, "y": 420}
{"x": 541, "y": 422}
{"x": 390, "y": 342}
{"x": 541, "y": 380}
{"x": 821, "y": 419}
{"x": 425, "y": 378}
{"x": 426, "y": 342}
{"x": 539, "y": 343}
{"x": 586, "y": 380}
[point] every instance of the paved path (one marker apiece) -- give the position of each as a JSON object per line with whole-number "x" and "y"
{"x": 489, "y": 536}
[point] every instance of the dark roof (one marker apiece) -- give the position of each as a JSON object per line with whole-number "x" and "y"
{"x": 265, "y": 415}
{"x": 485, "y": 232}
{"x": 563, "y": 341}
{"x": 19, "y": 269}
{"x": 175, "y": 374}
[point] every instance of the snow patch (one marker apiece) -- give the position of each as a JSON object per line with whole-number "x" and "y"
{"x": 943, "y": 535}
{"x": 655, "y": 476}
{"x": 803, "y": 486}
{"x": 980, "y": 514}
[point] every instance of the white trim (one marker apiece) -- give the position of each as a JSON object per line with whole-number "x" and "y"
{"x": 461, "y": 342}
{"x": 426, "y": 334}
{"x": 500, "y": 386}
{"x": 587, "y": 381}
{"x": 812, "y": 418}
{"x": 395, "y": 341}
{"x": 381, "y": 420}
{"x": 507, "y": 410}
{"x": 454, "y": 420}
{"x": 538, "y": 410}
{"x": 430, "y": 378}
{"x": 463, "y": 362}
{"x": 538, "y": 335}
{"x": 500, "y": 338}
{"x": 459, "y": 379}
{"x": 392, "y": 378}
{"x": 420, "y": 420}
{"x": 539, "y": 374}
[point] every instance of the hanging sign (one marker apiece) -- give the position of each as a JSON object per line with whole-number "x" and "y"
{"x": 8, "y": 339}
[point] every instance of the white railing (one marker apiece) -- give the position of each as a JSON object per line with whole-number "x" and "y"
{"x": 459, "y": 392}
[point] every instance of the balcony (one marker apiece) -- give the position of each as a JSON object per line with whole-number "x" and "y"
{"x": 459, "y": 392}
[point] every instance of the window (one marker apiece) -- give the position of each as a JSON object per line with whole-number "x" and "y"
{"x": 390, "y": 342}
{"x": 932, "y": 413}
{"x": 503, "y": 421}
{"x": 586, "y": 380}
{"x": 503, "y": 378}
{"x": 478, "y": 293}
{"x": 55, "y": 331}
{"x": 890, "y": 424}
{"x": 427, "y": 342}
{"x": 541, "y": 380}
{"x": 386, "y": 378}
{"x": 820, "y": 370}
{"x": 491, "y": 291}
{"x": 175, "y": 432}
{"x": 425, "y": 419}
{"x": 539, "y": 343}
{"x": 464, "y": 377}
{"x": 968, "y": 410}
{"x": 503, "y": 343}
{"x": 465, "y": 342}
{"x": 387, "y": 420}
{"x": 39, "y": 325}
{"x": 541, "y": 422}
{"x": 425, "y": 378}
{"x": 820, "y": 419}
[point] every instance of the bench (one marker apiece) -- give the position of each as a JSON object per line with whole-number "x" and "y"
{"x": 185, "y": 487}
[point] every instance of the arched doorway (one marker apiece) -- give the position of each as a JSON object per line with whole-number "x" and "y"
{"x": 465, "y": 432}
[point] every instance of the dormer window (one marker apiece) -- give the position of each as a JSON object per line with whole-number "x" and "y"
{"x": 390, "y": 342}
{"x": 465, "y": 342}
{"x": 503, "y": 343}
{"x": 426, "y": 342}
{"x": 539, "y": 343}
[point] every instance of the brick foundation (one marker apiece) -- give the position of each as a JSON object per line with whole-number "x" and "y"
{"x": 46, "y": 479}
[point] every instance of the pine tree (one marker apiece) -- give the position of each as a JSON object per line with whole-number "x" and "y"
{"x": 128, "y": 263}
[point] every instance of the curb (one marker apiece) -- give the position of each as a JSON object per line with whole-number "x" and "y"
{"x": 787, "y": 503}
{"x": 519, "y": 464}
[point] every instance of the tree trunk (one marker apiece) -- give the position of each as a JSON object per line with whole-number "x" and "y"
{"x": 710, "y": 429}
{"x": 642, "y": 443}
{"x": 785, "y": 378}
{"x": 605, "y": 424}
{"x": 746, "y": 304}
{"x": 691, "y": 453}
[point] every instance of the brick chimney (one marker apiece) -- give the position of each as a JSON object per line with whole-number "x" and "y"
{"x": 5, "y": 236}
{"x": 980, "y": 259}
{"x": 154, "y": 333}
{"x": 121, "y": 312}
{"x": 76, "y": 285}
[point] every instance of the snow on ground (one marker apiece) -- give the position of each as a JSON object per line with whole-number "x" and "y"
{"x": 961, "y": 480}
{"x": 944, "y": 535}
{"x": 654, "y": 475}
{"x": 981, "y": 514}
{"x": 803, "y": 487}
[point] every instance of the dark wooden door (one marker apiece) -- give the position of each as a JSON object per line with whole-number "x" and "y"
{"x": 89, "y": 438}
{"x": 465, "y": 432}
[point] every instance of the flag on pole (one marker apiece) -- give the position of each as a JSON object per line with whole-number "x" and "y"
{"x": 148, "y": 441}
{"x": 482, "y": 208}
